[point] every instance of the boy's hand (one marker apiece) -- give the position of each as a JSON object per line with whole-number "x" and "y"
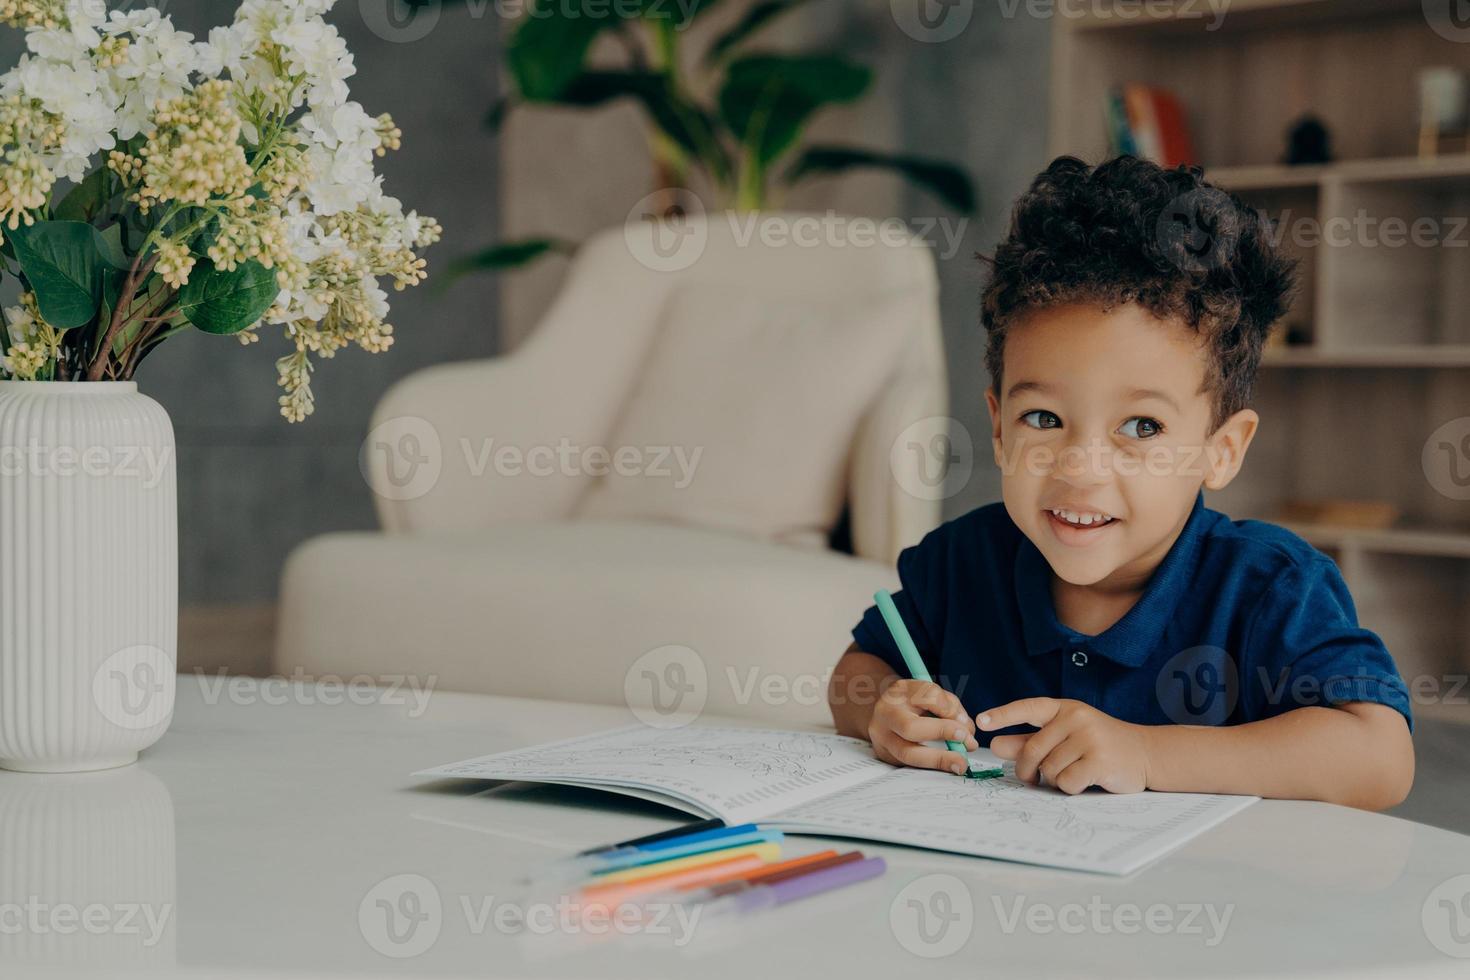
{"x": 911, "y": 712}
{"x": 1078, "y": 746}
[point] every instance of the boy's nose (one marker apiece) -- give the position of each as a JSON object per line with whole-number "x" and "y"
{"x": 1086, "y": 462}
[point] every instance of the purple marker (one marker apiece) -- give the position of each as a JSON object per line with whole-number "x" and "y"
{"x": 759, "y": 897}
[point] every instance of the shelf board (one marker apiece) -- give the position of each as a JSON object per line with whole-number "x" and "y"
{"x": 1228, "y": 15}
{"x": 1451, "y": 168}
{"x": 1382, "y": 356}
{"x": 1449, "y": 542}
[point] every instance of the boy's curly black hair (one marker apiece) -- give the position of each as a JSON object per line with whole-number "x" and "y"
{"x": 1128, "y": 230}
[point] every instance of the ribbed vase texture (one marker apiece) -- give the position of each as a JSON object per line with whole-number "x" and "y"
{"x": 88, "y": 574}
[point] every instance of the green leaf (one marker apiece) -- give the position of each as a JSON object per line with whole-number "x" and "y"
{"x": 755, "y": 18}
{"x": 86, "y": 200}
{"x": 110, "y": 247}
{"x": 495, "y": 117}
{"x": 506, "y": 255}
{"x": 768, "y": 99}
{"x": 222, "y": 302}
{"x": 686, "y": 124}
{"x": 549, "y": 46}
{"x": 63, "y": 262}
{"x": 947, "y": 182}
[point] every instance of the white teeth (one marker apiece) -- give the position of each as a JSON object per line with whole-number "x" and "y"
{"x": 1082, "y": 519}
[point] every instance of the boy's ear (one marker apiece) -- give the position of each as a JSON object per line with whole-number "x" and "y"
{"x": 993, "y": 403}
{"x": 1226, "y": 447}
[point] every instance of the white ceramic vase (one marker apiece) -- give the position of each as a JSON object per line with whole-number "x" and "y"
{"x": 88, "y": 574}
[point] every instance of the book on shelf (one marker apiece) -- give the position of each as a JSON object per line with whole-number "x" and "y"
{"x": 1149, "y": 122}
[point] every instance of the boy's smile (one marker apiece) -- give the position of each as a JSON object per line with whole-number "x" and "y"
{"x": 1102, "y": 430}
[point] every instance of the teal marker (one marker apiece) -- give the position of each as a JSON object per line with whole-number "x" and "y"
{"x": 919, "y": 672}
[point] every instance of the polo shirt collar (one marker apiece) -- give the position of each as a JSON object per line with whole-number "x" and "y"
{"x": 1130, "y": 640}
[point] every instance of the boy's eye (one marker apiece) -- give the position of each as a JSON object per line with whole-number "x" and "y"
{"x": 1141, "y": 427}
{"x": 1041, "y": 419}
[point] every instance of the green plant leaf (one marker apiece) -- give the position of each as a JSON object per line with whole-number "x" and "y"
{"x": 110, "y": 247}
{"x": 86, "y": 200}
{"x": 549, "y": 46}
{"x": 945, "y": 181}
{"x": 755, "y": 18}
{"x": 689, "y": 126}
{"x": 495, "y": 116}
{"x": 506, "y": 255}
{"x": 768, "y": 99}
{"x": 222, "y": 302}
{"x": 64, "y": 263}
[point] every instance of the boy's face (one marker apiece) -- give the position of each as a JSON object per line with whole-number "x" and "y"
{"x": 1102, "y": 433}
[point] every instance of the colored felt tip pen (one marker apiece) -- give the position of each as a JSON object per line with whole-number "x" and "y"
{"x": 770, "y": 874}
{"x": 622, "y": 856}
{"x": 766, "y": 896}
{"x": 919, "y": 672}
{"x": 665, "y": 837}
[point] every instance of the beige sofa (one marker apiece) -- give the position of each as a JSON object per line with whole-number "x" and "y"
{"x": 540, "y": 575}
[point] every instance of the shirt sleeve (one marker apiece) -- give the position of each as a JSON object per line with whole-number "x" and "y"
{"x": 1310, "y": 650}
{"x": 920, "y": 601}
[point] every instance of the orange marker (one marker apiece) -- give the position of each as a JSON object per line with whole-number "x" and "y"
{"x": 611, "y": 895}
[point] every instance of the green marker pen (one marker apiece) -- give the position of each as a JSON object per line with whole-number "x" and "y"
{"x": 919, "y": 672}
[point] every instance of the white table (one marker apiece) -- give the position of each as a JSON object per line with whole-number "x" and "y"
{"x": 268, "y": 832}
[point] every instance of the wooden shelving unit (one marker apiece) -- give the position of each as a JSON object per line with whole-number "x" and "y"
{"x": 1382, "y": 319}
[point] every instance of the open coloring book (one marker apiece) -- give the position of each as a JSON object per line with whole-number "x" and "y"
{"x": 831, "y": 785}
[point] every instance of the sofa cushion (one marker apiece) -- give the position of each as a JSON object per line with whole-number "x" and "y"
{"x": 572, "y": 611}
{"x": 753, "y": 402}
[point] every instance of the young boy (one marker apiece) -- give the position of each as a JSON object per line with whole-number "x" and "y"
{"x": 1101, "y": 625}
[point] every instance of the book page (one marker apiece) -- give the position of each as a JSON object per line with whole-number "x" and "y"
{"x": 1006, "y": 818}
{"x": 736, "y": 774}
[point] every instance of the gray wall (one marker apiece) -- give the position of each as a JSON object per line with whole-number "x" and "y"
{"x": 252, "y": 486}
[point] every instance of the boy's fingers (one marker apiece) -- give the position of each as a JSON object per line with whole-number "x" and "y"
{"x": 924, "y": 728}
{"x": 1027, "y": 711}
{"x": 1008, "y": 746}
{"x": 1038, "y": 746}
{"x": 925, "y": 756}
{"x": 1078, "y": 777}
{"x": 1058, "y": 759}
{"x": 937, "y": 700}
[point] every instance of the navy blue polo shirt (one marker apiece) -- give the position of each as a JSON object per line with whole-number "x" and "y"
{"x": 1242, "y": 620}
